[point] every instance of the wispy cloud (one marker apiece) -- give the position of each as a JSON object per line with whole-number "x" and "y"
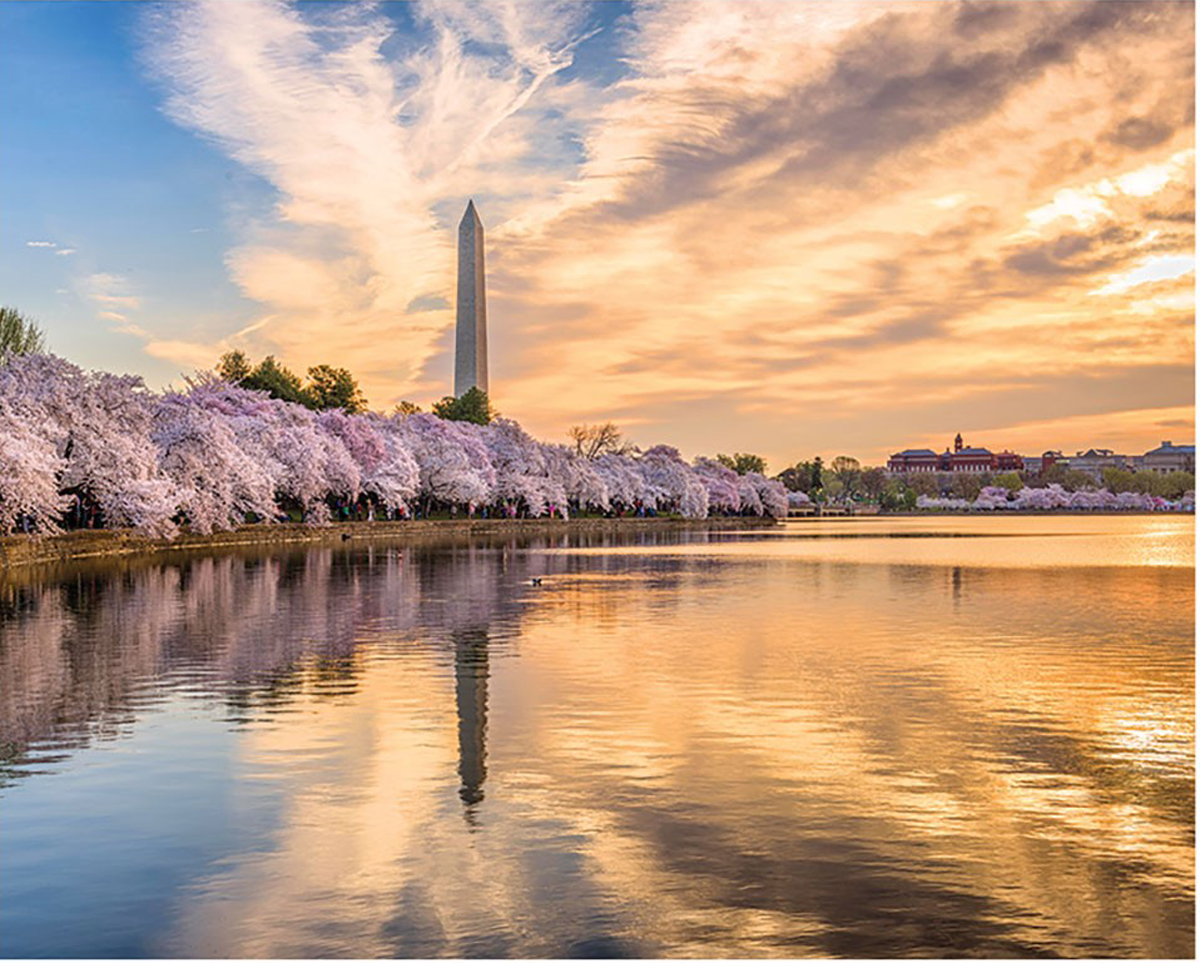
{"x": 65, "y": 251}
{"x": 110, "y": 290}
{"x": 40, "y": 244}
{"x": 838, "y": 224}
{"x": 364, "y": 150}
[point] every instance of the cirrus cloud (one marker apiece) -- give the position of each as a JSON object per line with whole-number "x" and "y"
{"x": 834, "y": 223}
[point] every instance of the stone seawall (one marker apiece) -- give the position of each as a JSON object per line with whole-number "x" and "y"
{"x": 21, "y": 550}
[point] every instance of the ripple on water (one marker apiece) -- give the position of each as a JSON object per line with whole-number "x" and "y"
{"x": 884, "y": 738}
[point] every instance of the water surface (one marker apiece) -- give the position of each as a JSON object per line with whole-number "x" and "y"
{"x": 866, "y": 737}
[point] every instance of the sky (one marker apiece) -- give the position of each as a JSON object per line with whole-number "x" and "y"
{"x": 783, "y": 228}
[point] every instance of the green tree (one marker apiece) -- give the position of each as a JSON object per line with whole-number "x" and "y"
{"x": 1075, "y": 480}
{"x": 874, "y": 482}
{"x": 330, "y": 387}
{"x": 1117, "y": 480}
{"x": 966, "y": 486}
{"x": 1055, "y": 474}
{"x": 327, "y": 387}
{"x": 18, "y": 335}
{"x": 848, "y": 472}
{"x": 741, "y": 462}
{"x": 832, "y": 486}
{"x": 1010, "y": 480}
{"x": 1143, "y": 482}
{"x": 277, "y": 381}
{"x": 815, "y": 467}
{"x": 234, "y": 367}
{"x": 791, "y": 478}
{"x": 798, "y": 478}
{"x": 406, "y": 408}
{"x": 470, "y": 406}
{"x": 921, "y": 484}
{"x": 897, "y": 496}
{"x": 1175, "y": 484}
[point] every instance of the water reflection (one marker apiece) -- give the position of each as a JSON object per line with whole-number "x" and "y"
{"x": 665, "y": 749}
{"x": 470, "y": 696}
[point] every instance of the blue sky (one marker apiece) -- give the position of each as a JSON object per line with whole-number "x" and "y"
{"x": 92, "y": 165}
{"x": 723, "y": 225}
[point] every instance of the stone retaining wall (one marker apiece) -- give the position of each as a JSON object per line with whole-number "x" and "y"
{"x": 21, "y": 550}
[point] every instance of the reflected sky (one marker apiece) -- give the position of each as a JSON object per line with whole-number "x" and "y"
{"x": 676, "y": 745}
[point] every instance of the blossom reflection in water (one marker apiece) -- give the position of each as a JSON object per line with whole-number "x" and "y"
{"x": 683, "y": 745}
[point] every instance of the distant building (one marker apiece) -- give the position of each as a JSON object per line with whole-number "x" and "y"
{"x": 914, "y": 460}
{"x": 967, "y": 459}
{"x": 1167, "y": 458}
{"x": 1164, "y": 459}
{"x": 1095, "y": 460}
{"x": 962, "y": 459}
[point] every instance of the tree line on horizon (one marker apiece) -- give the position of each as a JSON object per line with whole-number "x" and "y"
{"x": 844, "y": 481}
{"x": 99, "y": 450}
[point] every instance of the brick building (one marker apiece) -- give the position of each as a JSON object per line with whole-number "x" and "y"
{"x": 962, "y": 459}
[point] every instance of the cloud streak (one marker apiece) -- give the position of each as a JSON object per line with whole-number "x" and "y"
{"x": 828, "y": 221}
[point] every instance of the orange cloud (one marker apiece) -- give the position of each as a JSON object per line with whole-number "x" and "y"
{"x": 788, "y": 227}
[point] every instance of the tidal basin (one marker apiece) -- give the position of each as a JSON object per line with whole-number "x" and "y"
{"x": 865, "y": 737}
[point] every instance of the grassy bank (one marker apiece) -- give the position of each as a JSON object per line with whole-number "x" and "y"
{"x": 22, "y": 550}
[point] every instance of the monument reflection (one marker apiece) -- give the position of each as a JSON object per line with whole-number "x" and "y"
{"x": 470, "y": 699}
{"x": 670, "y": 747}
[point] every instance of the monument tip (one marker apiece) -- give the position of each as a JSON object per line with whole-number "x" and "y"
{"x": 470, "y": 214}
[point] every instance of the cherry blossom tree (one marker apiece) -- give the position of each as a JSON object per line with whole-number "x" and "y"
{"x": 451, "y": 470}
{"x": 772, "y": 495}
{"x": 101, "y": 425}
{"x": 213, "y": 455}
{"x": 670, "y": 484}
{"x": 30, "y": 467}
{"x": 721, "y": 483}
{"x": 218, "y": 483}
{"x": 798, "y": 499}
{"x": 992, "y": 497}
{"x": 626, "y": 485}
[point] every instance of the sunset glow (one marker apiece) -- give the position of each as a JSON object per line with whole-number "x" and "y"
{"x": 788, "y": 228}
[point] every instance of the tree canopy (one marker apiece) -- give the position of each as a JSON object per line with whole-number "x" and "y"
{"x": 742, "y": 462}
{"x": 334, "y": 388}
{"x": 327, "y": 387}
{"x": 592, "y": 441}
{"x": 214, "y": 455}
{"x": 18, "y": 335}
{"x": 472, "y": 406}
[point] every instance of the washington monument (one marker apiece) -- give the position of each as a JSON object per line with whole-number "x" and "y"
{"x": 470, "y": 336}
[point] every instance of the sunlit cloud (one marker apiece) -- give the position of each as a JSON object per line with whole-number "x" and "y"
{"x": 362, "y": 150}
{"x": 791, "y": 227}
{"x": 1160, "y": 268}
{"x": 110, "y": 291}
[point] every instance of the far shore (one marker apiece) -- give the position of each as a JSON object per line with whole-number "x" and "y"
{"x": 23, "y": 550}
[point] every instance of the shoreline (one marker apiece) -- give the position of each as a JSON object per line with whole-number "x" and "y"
{"x": 19, "y": 551}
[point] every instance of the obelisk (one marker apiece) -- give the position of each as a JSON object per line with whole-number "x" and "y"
{"x": 470, "y": 336}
